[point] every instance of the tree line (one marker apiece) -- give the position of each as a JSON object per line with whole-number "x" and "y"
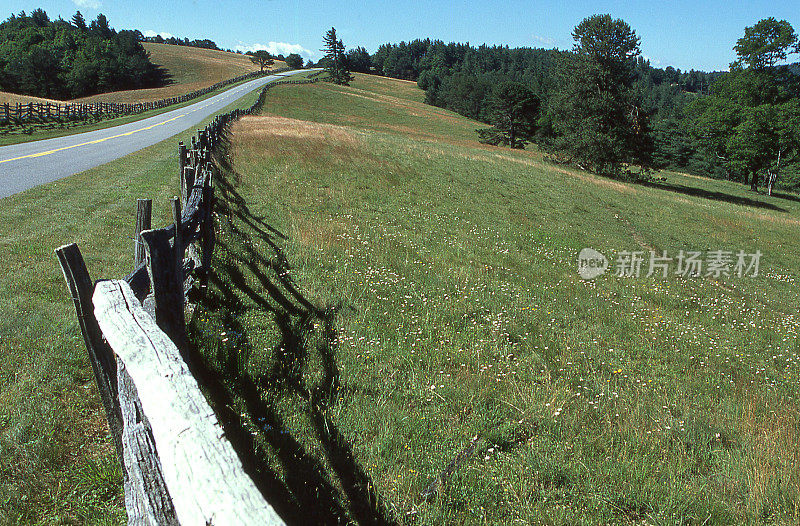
{"x": 264, "y": 58}
{"x": 602, "y": 106}
{"x": 70, "y": 59}
{"x": 199, "y": 43}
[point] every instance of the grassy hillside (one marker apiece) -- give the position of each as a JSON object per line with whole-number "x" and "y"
{"x": 392, "y": 296}
{"x": 188, "y": 69}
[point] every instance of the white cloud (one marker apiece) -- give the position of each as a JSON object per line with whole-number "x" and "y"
{"x": 150, "y": 33}
{"x": 651, "y": 60}
{"x": 545, "y": 41}
{"x": 279, "y": 48}
{"x": 91, "y": 4}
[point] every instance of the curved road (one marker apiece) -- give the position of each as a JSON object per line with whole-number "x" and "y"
{"x": 30, "y": 164}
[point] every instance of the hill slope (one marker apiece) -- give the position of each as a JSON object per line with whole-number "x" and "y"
{"x": 392, "y": 295}
{"x": 188, "y": 69}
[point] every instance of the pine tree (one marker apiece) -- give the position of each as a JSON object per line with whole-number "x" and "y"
{"x": 597, "y": 115}
{"x": 335, "y": 59}
{"x": 78, "y": 21}
{"x": 513, "y": 109}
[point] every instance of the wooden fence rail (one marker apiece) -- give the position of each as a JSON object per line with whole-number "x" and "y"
{"x": 178, "y": 466}
{"x": 35, "y": 112}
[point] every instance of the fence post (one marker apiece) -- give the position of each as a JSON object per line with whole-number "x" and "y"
{"x": 166, "y": 283}
{"x": 181, "y": 171}
{"x": 101, "y": 356}
{"x": 144, "y": 211}
{"x": 189, "y": 177}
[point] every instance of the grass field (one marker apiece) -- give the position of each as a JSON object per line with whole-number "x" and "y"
{"x": 13, "y": 98}
{"x": 188, "y": 69}
{"x": 392, "y": 295}
{"x": 56, "y": 466}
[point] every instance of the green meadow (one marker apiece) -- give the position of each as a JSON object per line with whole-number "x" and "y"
{"x": 397, "y": 331}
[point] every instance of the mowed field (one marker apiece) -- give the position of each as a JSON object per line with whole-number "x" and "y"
{"x": 188, "y": 68}
{"x": 399, "y": 326}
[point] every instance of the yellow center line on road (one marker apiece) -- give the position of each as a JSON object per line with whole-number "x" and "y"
{"x": 96, "y": 141}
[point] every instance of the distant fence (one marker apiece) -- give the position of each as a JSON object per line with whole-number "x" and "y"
{"x": 179, "y": 468}
{"x": 35, "y": 112}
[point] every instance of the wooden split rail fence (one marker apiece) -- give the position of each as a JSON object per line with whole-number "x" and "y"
{"x": 32, "y": 112}
{"x": 179, "y": 469}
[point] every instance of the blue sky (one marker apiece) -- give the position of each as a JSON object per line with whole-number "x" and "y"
{"x": 681, "y": 33}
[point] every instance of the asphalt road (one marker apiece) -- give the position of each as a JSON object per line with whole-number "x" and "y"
{"x": 30, "y": 164}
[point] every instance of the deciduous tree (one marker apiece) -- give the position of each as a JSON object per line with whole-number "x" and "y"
{"x": 750, "y": 121}
{"x": 765, "y": 44}
{"x": 294, "y": 61}
{"x": 56, "y": 59}
{"x": 263, "y": 58}
{"x": 359, "y": 60}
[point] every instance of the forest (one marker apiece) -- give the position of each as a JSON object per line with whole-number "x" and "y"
{"x": 741, "y": 124}
{"x": 62, "y": 59}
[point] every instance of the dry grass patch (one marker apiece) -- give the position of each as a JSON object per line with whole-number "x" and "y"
{"x": 774, "y": 474}
{"x": 283, "y": 127}
{"x": 772, "y": 218}
{"x": 388, "y": 99}
{"x": 189, "y": 69}
{"x": 415, "y": 108}
{"x": 323, "y": 236}
{"x": 14, "y": 98}
{"x": 278, "y": 137}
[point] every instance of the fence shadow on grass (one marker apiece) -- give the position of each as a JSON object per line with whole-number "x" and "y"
{"x": 326, "y": 488}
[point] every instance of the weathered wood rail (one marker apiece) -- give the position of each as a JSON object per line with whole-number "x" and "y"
{"x": 179, "y": 468}
{"x": 36, "y": 112}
